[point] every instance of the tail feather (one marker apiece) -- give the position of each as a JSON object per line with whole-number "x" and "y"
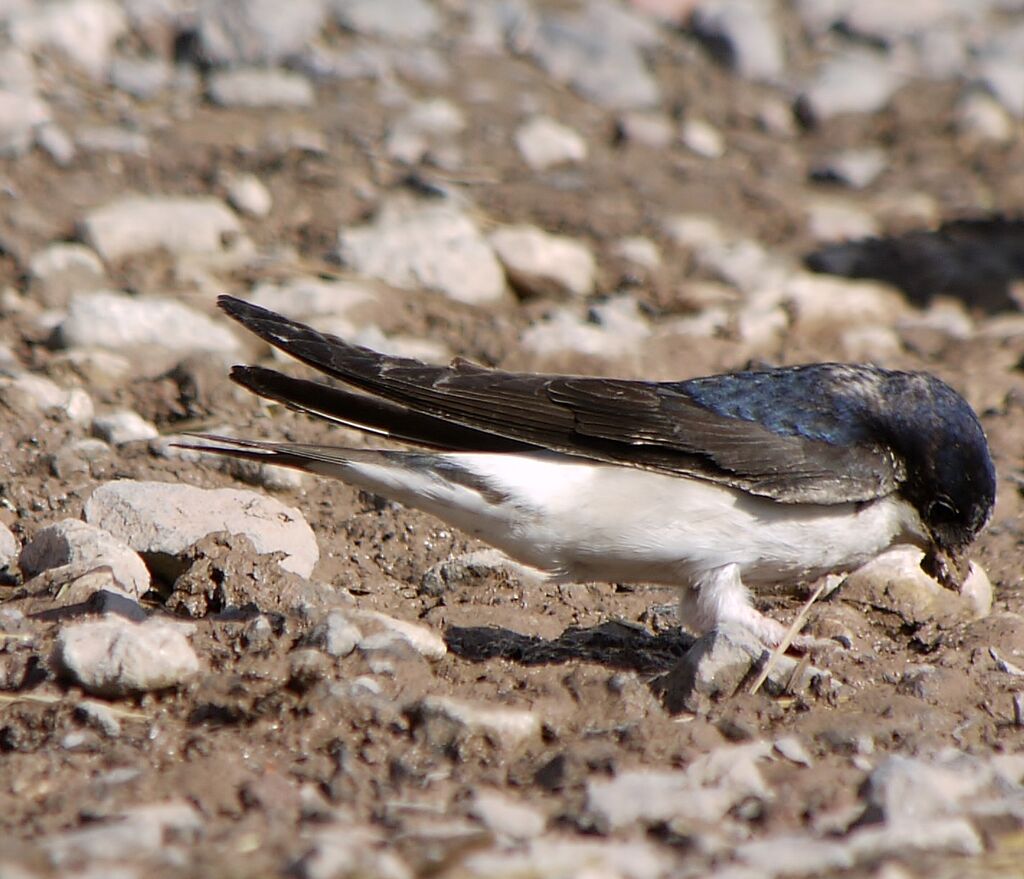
{"x": 368, "y": 413}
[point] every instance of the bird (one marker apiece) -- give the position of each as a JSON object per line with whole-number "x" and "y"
{"x": 717, "y": 485}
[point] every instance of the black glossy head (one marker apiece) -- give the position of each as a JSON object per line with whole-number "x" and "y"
{"x": 950, "y": 476}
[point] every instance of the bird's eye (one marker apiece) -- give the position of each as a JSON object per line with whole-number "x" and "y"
{"x": 942, "y": 511}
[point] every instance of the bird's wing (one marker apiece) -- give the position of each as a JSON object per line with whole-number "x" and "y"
{"x": 655, "y": 426}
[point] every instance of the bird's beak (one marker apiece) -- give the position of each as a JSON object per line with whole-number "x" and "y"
{"x": 949, "y": 567}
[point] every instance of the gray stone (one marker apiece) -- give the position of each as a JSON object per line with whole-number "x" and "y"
{"x": 142, "y": 78}
{"x": 556, "y": 855}
{"x": 541, "y": 264}
{"x": 981, "y": 118}
{"x": 57, "y": 271}
{"x": 614, "y": 328}
{"x": 544, "y": 142}
{"x": 247, "y": 194}
{"x": 744, "y": 34}
{"x": 100, "y": 716}
{"x": 166, "y": 518}
{"x": 83, "y": 30}
{"x": 407, "y": 20}
{"x": 446, "y": 720}
{"x": 9, "y": 547}
{"x": 649, "y": 128}
{"x": 943, "y": 836}
{"x": 1004, "y": 76}
{"x": 796, "y": 855}
{"x": 235, "y": 32}
{"x": 20, "y": 117}
{"x": 857, "y": 82}
{"x": 337, "y": 635}
{"x": 78, "y": 547}
{"x": 123, "y": 426}
{"x": 136, "y": 224}
{"x": 426, "y": 128}
{"x": 260, "y": 87}
{"x": 894, "y": 581}
{"x": 857, "y": 168}
{"x": 426, "y": 245}
{"x": 384, "y": 631}
{"x": 309, "y": 297}
{"x": 116, "y": 321}
{"x": 56, "y": 143}
{"x": 597, "y": 52}
{"x": 28, "y": 392}
{"x": 505, "y": 816}
{"x": 111, "y": 139}
{"x": 137, "y": 832}
{"x": 705, "y": 791}
{"x": 702, "y": 138}
{"x": 114, "y": 657}
{"x": 348, "y": 849}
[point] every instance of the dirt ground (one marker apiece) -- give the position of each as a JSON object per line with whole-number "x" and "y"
{"x": 253, "y": 734}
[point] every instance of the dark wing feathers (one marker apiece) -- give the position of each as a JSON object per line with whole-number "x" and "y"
{"x": 467, "y": 407}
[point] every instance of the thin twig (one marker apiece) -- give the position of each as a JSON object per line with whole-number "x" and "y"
{"x": 787, "y": 639}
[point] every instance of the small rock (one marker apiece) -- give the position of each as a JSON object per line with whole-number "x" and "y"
{"x": 423, "y": 126}
{"x": 410, "y": 21}
{"x": 111, "y": 139}
{"x": 247, "y": 194}
{"x": 980, "y": 118}
{"x": 703, "y": 792}
{"x": 793, "y": 750}
{"x": 79, "y": 547}
{"x": 337, "y": 635}
{"x": 652, "y": 129}
{"x": 895, "y": 581}
{"x": 83, "y": 30}
{"x": 100, "y": 716}
{"x": 830, "y": 219}
{"x": 446, "y": 720}
{"x": 135, "y": 833}
{"x": 426, "y": 245}
{"x": 540, "y": 264}
{"x": 1004, "y": 77}
{"x": 56, "y": 143}
{"x": 857, "y": 169}
{"x": 136, "y": 224}
{"x": 544, "y": 143}
{"x": 422, "y": 639}
{"x": 59, "y": 270}
{"x": 9, "y": 547}
{"x": 233, "y": 32}
{"x": 113, "y": 657}
{"x": 347, "y": 849}
{"x": 551, "y": 855}
{"x": 640, "y": 251}
{"x": 142, "y": 78}
{"x": 123, "y": 426}
{"x": 795, "y": 855}
{"x": 260, "y": 88}
{"x": 20, "y": 118}
{"x": 113, "y": 320}
{"x": 598, "y": 53}
{"x": 744, "y": 35}
{"x": 506, "y": 817}
{"x": 28, "y": 392}
{"x": 702, "y": 138}
{"x": 823, "y": 303}
{"x": 858, "y": 82}
{"x": 165, "y": 519}
{"x": 76, "y": 459}
{"x": 624, "y": 332}
{"x": 308, "y": 297}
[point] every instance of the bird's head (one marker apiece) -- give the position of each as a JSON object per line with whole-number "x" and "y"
{"x": 950, "y": 476}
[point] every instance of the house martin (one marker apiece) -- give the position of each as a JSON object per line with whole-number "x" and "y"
{"x": 714, "y": 485}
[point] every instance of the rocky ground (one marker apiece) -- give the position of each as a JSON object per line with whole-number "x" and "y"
{"x": 215, "y": 669}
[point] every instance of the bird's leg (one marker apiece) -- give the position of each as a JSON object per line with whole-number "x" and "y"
{"x": 720, "y": 597}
